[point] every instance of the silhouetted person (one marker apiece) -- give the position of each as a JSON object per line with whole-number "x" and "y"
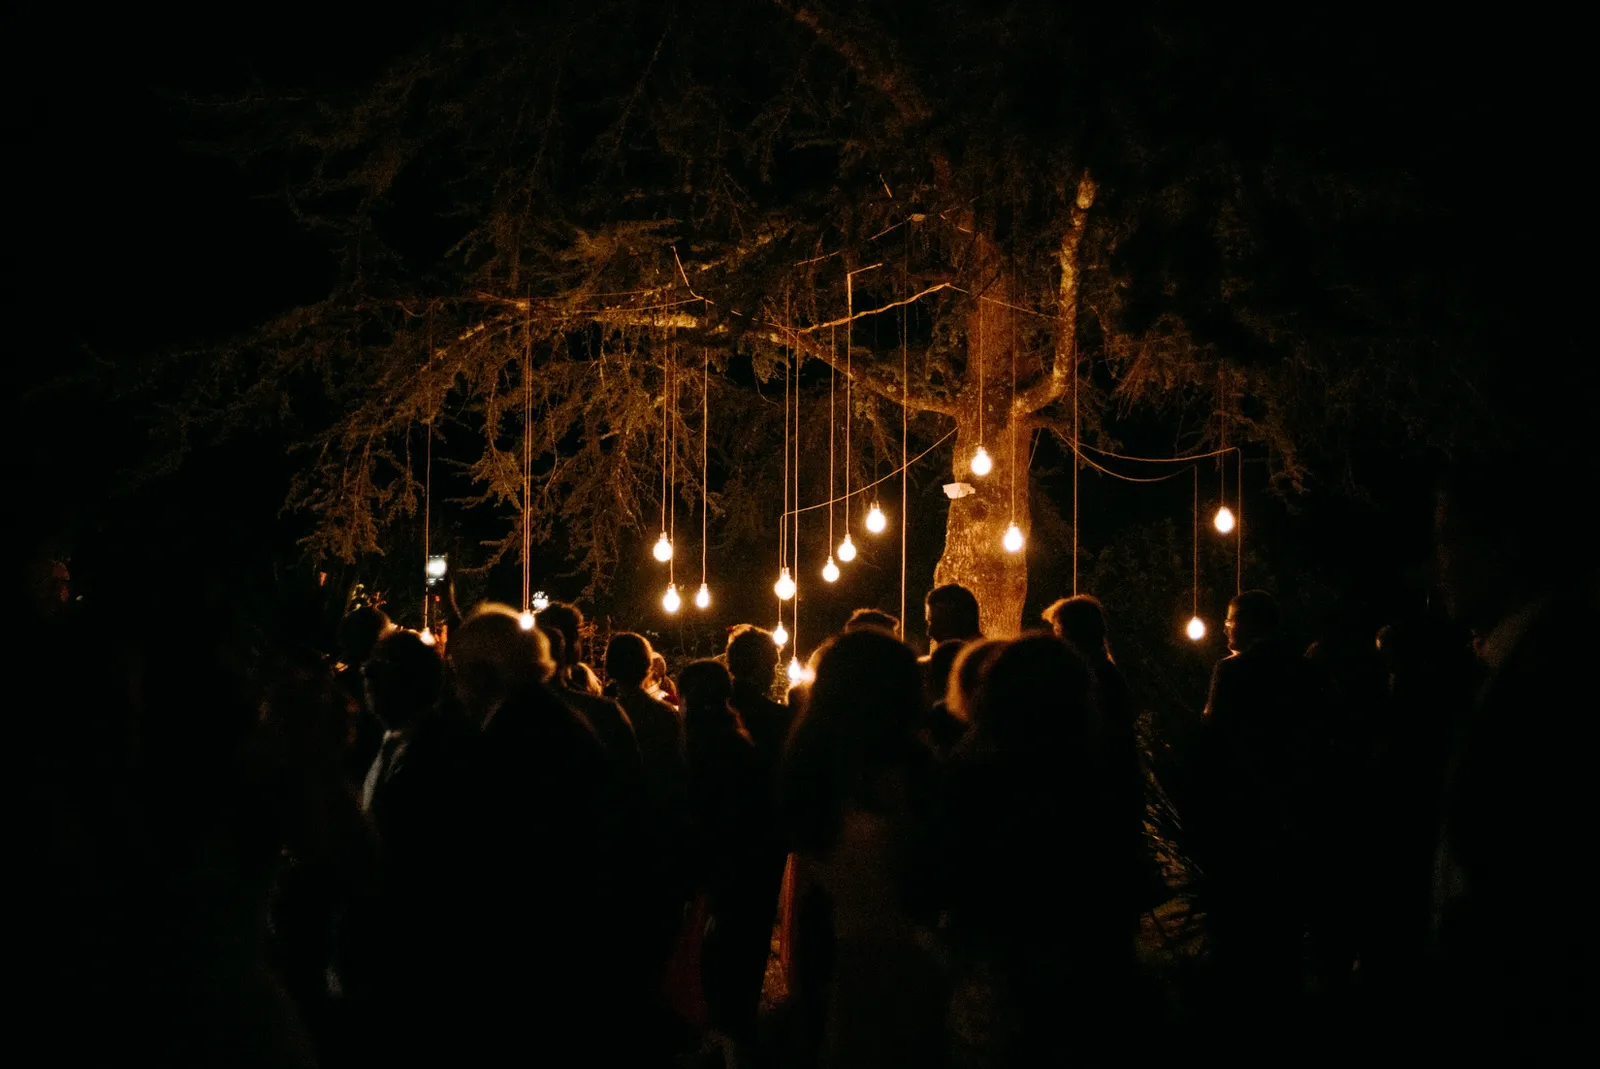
{"x": 657, "y": 726}
{"x": 855, "y": 795}
{"x": 1255, "y": 760}
{"x": 952, "y": 613}
{"x": 1032, "y": 875}
{"x": 752, "y": 660}
{"x": 662, "y": 751}
{"x": 942, "y": 728}
{"x": 1516, "y": 561}
{"x": 395, "y": 945}
{"x": 864, "y": 618}
{"x": 729, "y": 789}
{"x": 359, "y": 632}
{"x": 1080, "y": 621}
{"x": 607, "y": 718}
{"x": 550, "y": 898}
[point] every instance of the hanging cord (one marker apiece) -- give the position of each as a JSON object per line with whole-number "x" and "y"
{"x": 1194, "y": 552}
{"x": 1073, "y": 344}
{"x": 905, "y": 409}
{"x": 1238, "y": 525}
{"x": 705, "y": 451}
{"x": 664, "y": 377}
{"x": 794, "y": 522}
{"x": 672, "y": 483}
{"x": 527, "y": 458}
{"x": 980, "y": 374}
{"x": 833, "y": 393}
{"x": 848, "y": 411}
{"x": 858, "y": 491}
{"x": 1156, "y": 460}
{"x": 783, "y": 517}
{"x": 1013, "y": 417}
{"x": 427, "y": 485}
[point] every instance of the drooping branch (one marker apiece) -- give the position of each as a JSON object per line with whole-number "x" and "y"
{"x": 1053, "y": 385}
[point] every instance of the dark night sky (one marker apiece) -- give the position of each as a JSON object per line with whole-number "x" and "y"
{"x": 126, "y": 242}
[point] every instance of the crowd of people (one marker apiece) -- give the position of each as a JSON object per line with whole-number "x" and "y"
{"x": 509, "y": 847}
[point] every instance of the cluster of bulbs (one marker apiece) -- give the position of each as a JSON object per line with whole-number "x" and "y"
{"x": 672, "y": 601}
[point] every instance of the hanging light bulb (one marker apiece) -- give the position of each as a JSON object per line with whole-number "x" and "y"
{"x": 426, "y": 636}
{"x": 1197, "y": 628}
{"x": 702, "y": 599}
{"x": 982, "y": 462}
{"x": 670, "y": 601}
{"x": 663, "y": 550}
{"x": 780, "y": 637}
{"x": 847, "y": 549}
{"x": 784, "y": 587}
{"x": 830, "y": 571}
{"x": 796, "y": 671}
{"x": 526, "y": 620}
{"x": 1013, "y": 539}
{"x": 1224, "y": 520}
{"x": 875, "y": 520}
{"x": 540, "y": 602}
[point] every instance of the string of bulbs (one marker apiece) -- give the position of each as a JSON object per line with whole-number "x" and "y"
{"x": 786, "y": 588}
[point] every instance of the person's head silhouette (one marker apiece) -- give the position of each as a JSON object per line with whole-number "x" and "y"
{"x": 952, "y": 613}
{"x": 566, "y": 618}
{"x": 403, "y": 678}
{"x": 628, "y": 659}
{"x": 752, "y": 658}
{"x": 1252, "y": 618}
{"x": 491, "y": 657}
{"x": 359, "y": 632}
{"x": 863, "y": 619}
{"x": 1081, "y": 621}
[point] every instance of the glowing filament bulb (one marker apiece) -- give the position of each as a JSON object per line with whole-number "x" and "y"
{"x": 780, "y": 637}
{"x": 982, "y": 463}
{"x": 796, "y": 671}
{"x": 847, "y": 549}
{"x": 1224, "y": 520}
{"x": 670, "y": 601}
{"x": 875, "y": 520}
{"x": 526, "y": 620}
{"x": 663, "y": 550}
{"x": 1197, "y": 628}
{"x": 426, "y": 636}
{"x": 1013, "y": 539}
{"x": 830, "y": 571}
{"x": 702, "y": 599}
{"x": 784, "y": 587}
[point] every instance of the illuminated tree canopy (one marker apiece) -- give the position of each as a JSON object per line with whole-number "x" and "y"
{"x": 583, "y": 193}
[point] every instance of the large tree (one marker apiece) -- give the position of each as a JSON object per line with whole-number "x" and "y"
{"x": 568, "y": 207}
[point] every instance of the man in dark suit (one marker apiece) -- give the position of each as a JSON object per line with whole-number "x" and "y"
{"x": 1514, "y": 958}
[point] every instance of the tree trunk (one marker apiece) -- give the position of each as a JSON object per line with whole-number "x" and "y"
{"x": 974, "y": 555}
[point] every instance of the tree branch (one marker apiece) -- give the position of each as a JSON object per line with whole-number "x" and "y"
{"x": 865, "y": 375}
{"x": 1052, "y": 386}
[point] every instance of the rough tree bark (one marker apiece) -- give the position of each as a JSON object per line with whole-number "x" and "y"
{"x": 973, "y": 553}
